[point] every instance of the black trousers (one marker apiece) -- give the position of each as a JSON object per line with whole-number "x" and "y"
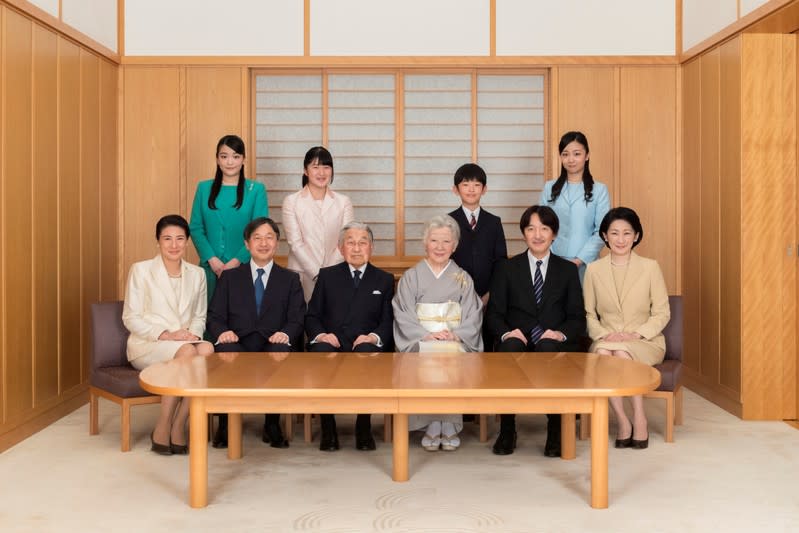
{"x": 508, "y": 422}
{"x": 363, "y": 422}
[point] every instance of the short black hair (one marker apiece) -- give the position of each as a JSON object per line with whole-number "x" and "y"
{"x": 621, "y": 213}
{"x": 323, "y": 157}
{"x": 256, "y": 223}
{"x": 171, "y": 220}
{"x": 545, "y": 214}
{"x": 468, "y": 172}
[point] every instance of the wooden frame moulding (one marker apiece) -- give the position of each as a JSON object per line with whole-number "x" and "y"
{"x": 492, "y": 28}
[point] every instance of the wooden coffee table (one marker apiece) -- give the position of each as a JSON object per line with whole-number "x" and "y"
{"x": 399, "y": 384}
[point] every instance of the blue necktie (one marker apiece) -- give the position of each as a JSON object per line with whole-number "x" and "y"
{"x": 356, "y": 278}
{"x": 259, "y": 289}
{"x": 538, "y": 289}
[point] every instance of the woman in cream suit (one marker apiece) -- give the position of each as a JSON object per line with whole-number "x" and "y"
{"x": 627, "y": 307}
{"x": 165, "y": 308}
{"x": 313, "y": 218}
{"x": 578, "y": 200}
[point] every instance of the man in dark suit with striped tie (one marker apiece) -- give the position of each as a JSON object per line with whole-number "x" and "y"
{"x": 536, "y": 305}
{"x": 350, "y": 311}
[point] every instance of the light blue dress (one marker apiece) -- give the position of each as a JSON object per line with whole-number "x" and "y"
{"x": 578, "y": 236}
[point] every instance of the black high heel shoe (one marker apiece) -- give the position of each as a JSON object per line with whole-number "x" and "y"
{"x": 161, "y": 449}
{"x": 626, "y": 443}
{"x": 178, "y": 449}
{"x": 640, "y": 444}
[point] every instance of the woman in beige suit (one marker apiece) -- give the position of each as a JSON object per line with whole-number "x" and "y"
{"x": 165, "y": 308}
{"x": 313, "y": 217}
{"x": 627, "y": 307}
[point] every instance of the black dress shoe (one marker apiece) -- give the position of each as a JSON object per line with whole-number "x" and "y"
{"x": 625, "y": 443}
{"x": 365, "y": 441}
{"x": 505, "y": 444}
{"x": 639, "y": 444}
{"x": 552, "y": 446}
{"x": 161, "y": 449}
{"x": 329, "y": 441}
{"x": 220, "y": 437}
{"x": 274, "y": 436}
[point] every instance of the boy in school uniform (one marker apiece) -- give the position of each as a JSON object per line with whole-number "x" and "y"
{"x": 482, "y": 243}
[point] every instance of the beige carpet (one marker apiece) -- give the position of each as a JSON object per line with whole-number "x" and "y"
{"x": 721, "y": 474}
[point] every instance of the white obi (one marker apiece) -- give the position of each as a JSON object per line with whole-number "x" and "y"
{"x": 435, "y": 317}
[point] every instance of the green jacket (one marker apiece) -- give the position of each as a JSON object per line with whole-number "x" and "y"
{"x": 220, "y": 232}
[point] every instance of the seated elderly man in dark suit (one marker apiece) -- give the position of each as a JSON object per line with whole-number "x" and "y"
{"x": 257, "y": 307}
{"x": 536, "y": 305}
{"x": 350, "y": 311}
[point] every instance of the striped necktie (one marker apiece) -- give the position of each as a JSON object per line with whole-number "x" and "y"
{"x": 538, "y": 290}
{"x": 473, "y": 222}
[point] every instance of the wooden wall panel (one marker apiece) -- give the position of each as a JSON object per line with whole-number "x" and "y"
{"x": 710, "y": 213}
{"x": 762, "y": 173}
{"x": 90, "y": 195}
{"x": 730, "y": 214}
{"x": 109, "y": 184}
{"x": 17, "y": 320}
{"x": 45, "y": 207}
{"x": 69, "y": 228}
{"x": 213, "y": 109}
{"x": 586, "y": 101}
{"x": 790, "y": 237}
{"x": 647, "y": 161}
{"x": 2, "y": 199}
{"x": 151, "y": 168}
{"x": 50, "y": 229}
{"x": 692, "y": 223}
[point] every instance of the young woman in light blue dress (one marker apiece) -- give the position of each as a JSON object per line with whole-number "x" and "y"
{"x": 579, "y": 202}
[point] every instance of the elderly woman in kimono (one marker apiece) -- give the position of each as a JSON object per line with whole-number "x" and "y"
{"x": 436, "y": 309}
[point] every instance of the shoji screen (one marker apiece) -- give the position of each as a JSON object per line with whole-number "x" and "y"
{"x": 403, "y": 171}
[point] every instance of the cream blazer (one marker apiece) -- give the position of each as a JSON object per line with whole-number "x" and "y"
{"x": 643, "y": 307}
{"x": 312, "y": 232}
{"x": 151, "y": 306}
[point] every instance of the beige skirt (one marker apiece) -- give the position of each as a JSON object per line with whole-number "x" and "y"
{"x": 642, "y": 351}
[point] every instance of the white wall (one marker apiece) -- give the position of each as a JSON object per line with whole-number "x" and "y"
{"x": 51, "y": 6}
{"x": 213, "y": 27}
{"x": 95, "y": 18}
{"x": 747, "y": 6}
{"x": 580, "y": 27}
{"x": 701, "y": 19}
{"x": 409, "y": 27}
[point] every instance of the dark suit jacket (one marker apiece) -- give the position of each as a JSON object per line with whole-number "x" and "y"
{"x": 233, "y": 304}
{"x": 337, "y": 307}
{"x": 480, "y": 250}
{"x": 512, "y": 303}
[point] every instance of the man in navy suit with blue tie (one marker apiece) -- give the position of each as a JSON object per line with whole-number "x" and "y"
{"x": 350, "y": 311}
{"x": 257, "y": 307}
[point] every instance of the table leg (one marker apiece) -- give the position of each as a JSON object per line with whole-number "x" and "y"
{"x": 599, "y": 454}
{"x": 198, "y": 453}
{"x": 568, "y": 429}
{"x": 234, "y": 436}
{"x": 400, "y": 447}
